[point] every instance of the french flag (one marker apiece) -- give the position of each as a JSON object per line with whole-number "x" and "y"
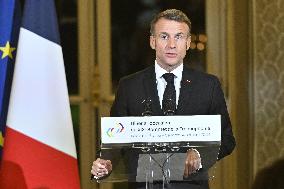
{"x": 39, "y": 148}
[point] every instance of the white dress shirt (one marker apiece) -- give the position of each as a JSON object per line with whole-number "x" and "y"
{"x": 161, "y": 82}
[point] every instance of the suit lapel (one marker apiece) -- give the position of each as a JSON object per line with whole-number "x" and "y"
{"x": 186, "y": 89}
{"x": 151, "y": 91}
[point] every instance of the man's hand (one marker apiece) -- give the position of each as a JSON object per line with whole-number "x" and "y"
{"x": 101, "y": 168}
{"x": 192, "y": 162}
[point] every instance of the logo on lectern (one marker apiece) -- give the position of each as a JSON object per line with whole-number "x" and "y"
{"x": 111, "y": 132}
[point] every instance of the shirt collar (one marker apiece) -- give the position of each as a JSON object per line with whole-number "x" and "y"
{"x": 160, "y": 71}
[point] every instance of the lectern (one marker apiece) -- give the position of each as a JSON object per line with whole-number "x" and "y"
{"x": 152, "y": 150}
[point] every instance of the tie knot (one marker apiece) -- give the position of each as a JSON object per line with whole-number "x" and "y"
{"x": 169, "y": 77}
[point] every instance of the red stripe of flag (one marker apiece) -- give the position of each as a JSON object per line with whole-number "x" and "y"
{"x": 28, "y": 163}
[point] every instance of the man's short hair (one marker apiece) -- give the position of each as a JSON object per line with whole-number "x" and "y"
{"x": 170, "y": 14}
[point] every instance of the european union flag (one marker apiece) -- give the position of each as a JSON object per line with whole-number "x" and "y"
{"x": 10, "y": 14}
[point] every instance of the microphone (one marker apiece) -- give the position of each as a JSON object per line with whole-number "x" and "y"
{"x": 169, "y": 107}
{"x": 147, "y": 107}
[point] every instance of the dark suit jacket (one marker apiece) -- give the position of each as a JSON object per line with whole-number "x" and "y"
{"x": 200, "y": 94}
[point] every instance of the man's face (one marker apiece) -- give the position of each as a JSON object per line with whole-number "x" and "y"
{"x": 171, "y": 41}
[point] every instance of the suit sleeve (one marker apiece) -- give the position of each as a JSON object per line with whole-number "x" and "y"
{"x": 119, "y": 106}
{"x": 218, "y": 106}
{"x": 118, "y": 109}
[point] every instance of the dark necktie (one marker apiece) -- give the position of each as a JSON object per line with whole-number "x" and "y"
{"x": 169, "y": 97}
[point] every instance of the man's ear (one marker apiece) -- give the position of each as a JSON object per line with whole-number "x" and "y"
{"x": 188, "y": 41}
{"x": 152, "y": 42}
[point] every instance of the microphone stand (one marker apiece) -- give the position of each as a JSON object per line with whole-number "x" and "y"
{"x": 169, "y": 109}
{"x": 149, "y": 176}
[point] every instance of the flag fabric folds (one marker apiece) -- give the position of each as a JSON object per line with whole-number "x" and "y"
{"x": 9, "y": 32}
{"x": 39, "y": 149}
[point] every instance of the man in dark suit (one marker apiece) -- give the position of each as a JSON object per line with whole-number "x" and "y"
{"x": 190, "y": 92}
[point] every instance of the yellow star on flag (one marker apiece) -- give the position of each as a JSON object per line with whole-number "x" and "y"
{"x": 7, "y": 50}
{"x": 1, "y": 139}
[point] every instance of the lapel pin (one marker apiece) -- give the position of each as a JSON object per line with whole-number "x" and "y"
{"x": 188, "y": 81}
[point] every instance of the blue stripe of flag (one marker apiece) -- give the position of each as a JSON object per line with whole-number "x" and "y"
{"x": 40, "y": 17}
{"x": 10, "y": 14}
